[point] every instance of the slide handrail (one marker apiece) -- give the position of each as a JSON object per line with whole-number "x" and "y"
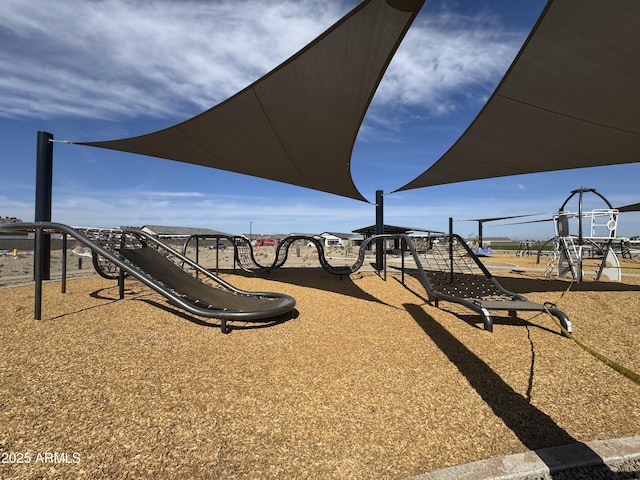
{"x": 41, "y": 228}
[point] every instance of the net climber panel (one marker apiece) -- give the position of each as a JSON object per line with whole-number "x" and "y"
{"x": 454, "y": 273}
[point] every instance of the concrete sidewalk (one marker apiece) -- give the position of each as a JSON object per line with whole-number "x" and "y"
{"x": 538, "y": 463}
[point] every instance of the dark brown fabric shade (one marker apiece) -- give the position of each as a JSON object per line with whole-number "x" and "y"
{"x": 569, "y": 100}
{"x": 635, "y": 207}
{"x": 298, "y": 123}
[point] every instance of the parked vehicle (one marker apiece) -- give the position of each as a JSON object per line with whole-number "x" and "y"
{"x": 265, "y": 242}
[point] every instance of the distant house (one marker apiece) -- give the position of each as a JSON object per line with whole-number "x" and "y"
{"x": 10, "y": 220}
{"x": 335, "y": 239}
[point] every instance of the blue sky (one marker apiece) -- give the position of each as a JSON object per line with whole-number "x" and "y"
{"x": 107, "y": 69}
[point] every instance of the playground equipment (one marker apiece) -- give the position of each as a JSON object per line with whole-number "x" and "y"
{"x": 524, "y": 248}
{"x": 245, "y": 258}
{"x": 581, "y": 235}
{"x": 182, "y": 281}
{"x": 452, "y": 273}
{"x": 449, "y": 270}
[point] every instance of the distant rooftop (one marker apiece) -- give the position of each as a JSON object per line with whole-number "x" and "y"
{"x": 169, "y": 231}
{"x": 9, "y": 220}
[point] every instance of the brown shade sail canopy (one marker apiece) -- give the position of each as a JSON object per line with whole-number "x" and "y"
{"x": 635, "y": 207}
{"x": 570, "y": 99}
{"x": 298, "y": 123}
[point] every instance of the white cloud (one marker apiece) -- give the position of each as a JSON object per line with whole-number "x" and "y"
{"x": 231, "y": 213}
{"x": 16, "y": 208}
{"x": 125, "y": 58}
{"x": 111, "y": 58}
{"x": 447, "y": 62}
{"x": 269, "y": 214}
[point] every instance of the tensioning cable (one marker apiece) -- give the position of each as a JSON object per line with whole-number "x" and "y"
{"x": 633, "y": 376}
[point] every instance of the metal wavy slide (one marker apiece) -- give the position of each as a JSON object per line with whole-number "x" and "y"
{"x": 245, "y": 258}
{"x": 183, "y": 282}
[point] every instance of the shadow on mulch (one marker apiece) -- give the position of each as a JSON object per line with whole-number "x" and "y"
{"x": 476, "y": 320}
{"x": 534, "y": 428}
{"x": 525, "y": 284}
{"x": 316, "y": 278}
{"x": 231, "y": 324}
{"x": 134, "y": 294}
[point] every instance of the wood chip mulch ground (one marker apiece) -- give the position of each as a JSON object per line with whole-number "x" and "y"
{"x": 369, "y": 381}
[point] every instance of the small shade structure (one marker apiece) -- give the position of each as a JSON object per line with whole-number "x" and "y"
{"x": 370, "y": 230}
{"x": 482, "y": 221}
{"x": 569, "y": 100}
{"x": 298, "y": 123}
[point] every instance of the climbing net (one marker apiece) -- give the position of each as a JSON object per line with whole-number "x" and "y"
{"x": 453, "y": 269}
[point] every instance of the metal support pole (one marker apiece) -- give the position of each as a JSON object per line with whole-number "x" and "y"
{"x": 402, "y": 249}
{"x": 121, "y": 284}
{"x": 44, "y": 182}
{"x": 197, "y": 254}
{"x": 123, "y": 242}
{"x": 37, "y": 274}
{"x": 217, "y": 254}
{"x": 384, "y": 263}
{"x": 63, "y": 282}
{"x": 379, "y": 230}
{"x": 451, "y": 248}
{"x": 580, "y": 240}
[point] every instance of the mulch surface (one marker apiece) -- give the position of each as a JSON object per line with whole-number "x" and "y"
{"x": 368, "y": 381}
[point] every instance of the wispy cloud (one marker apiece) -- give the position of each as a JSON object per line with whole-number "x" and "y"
{"x": 230, "y": 213}
{"x": 269, "y": 214}
{"x": 443, "y": 55}
{"x": 447, "y": 63}
{"x": 127, "y": 58}
{"x": 123, "y": 58}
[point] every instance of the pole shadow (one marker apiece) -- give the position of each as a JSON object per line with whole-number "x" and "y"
{"x": 534, "y": 428}
{"x": 315, "y": 278}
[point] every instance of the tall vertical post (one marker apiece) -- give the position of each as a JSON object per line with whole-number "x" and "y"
{"x": 380, "y": 242}
{"x": 44, "y": 187}
{"x": 37, "y": 275}
{"x": 63, "y": 282}
{"x": 580, "y": 239}
{"x": 451, "y": 249}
